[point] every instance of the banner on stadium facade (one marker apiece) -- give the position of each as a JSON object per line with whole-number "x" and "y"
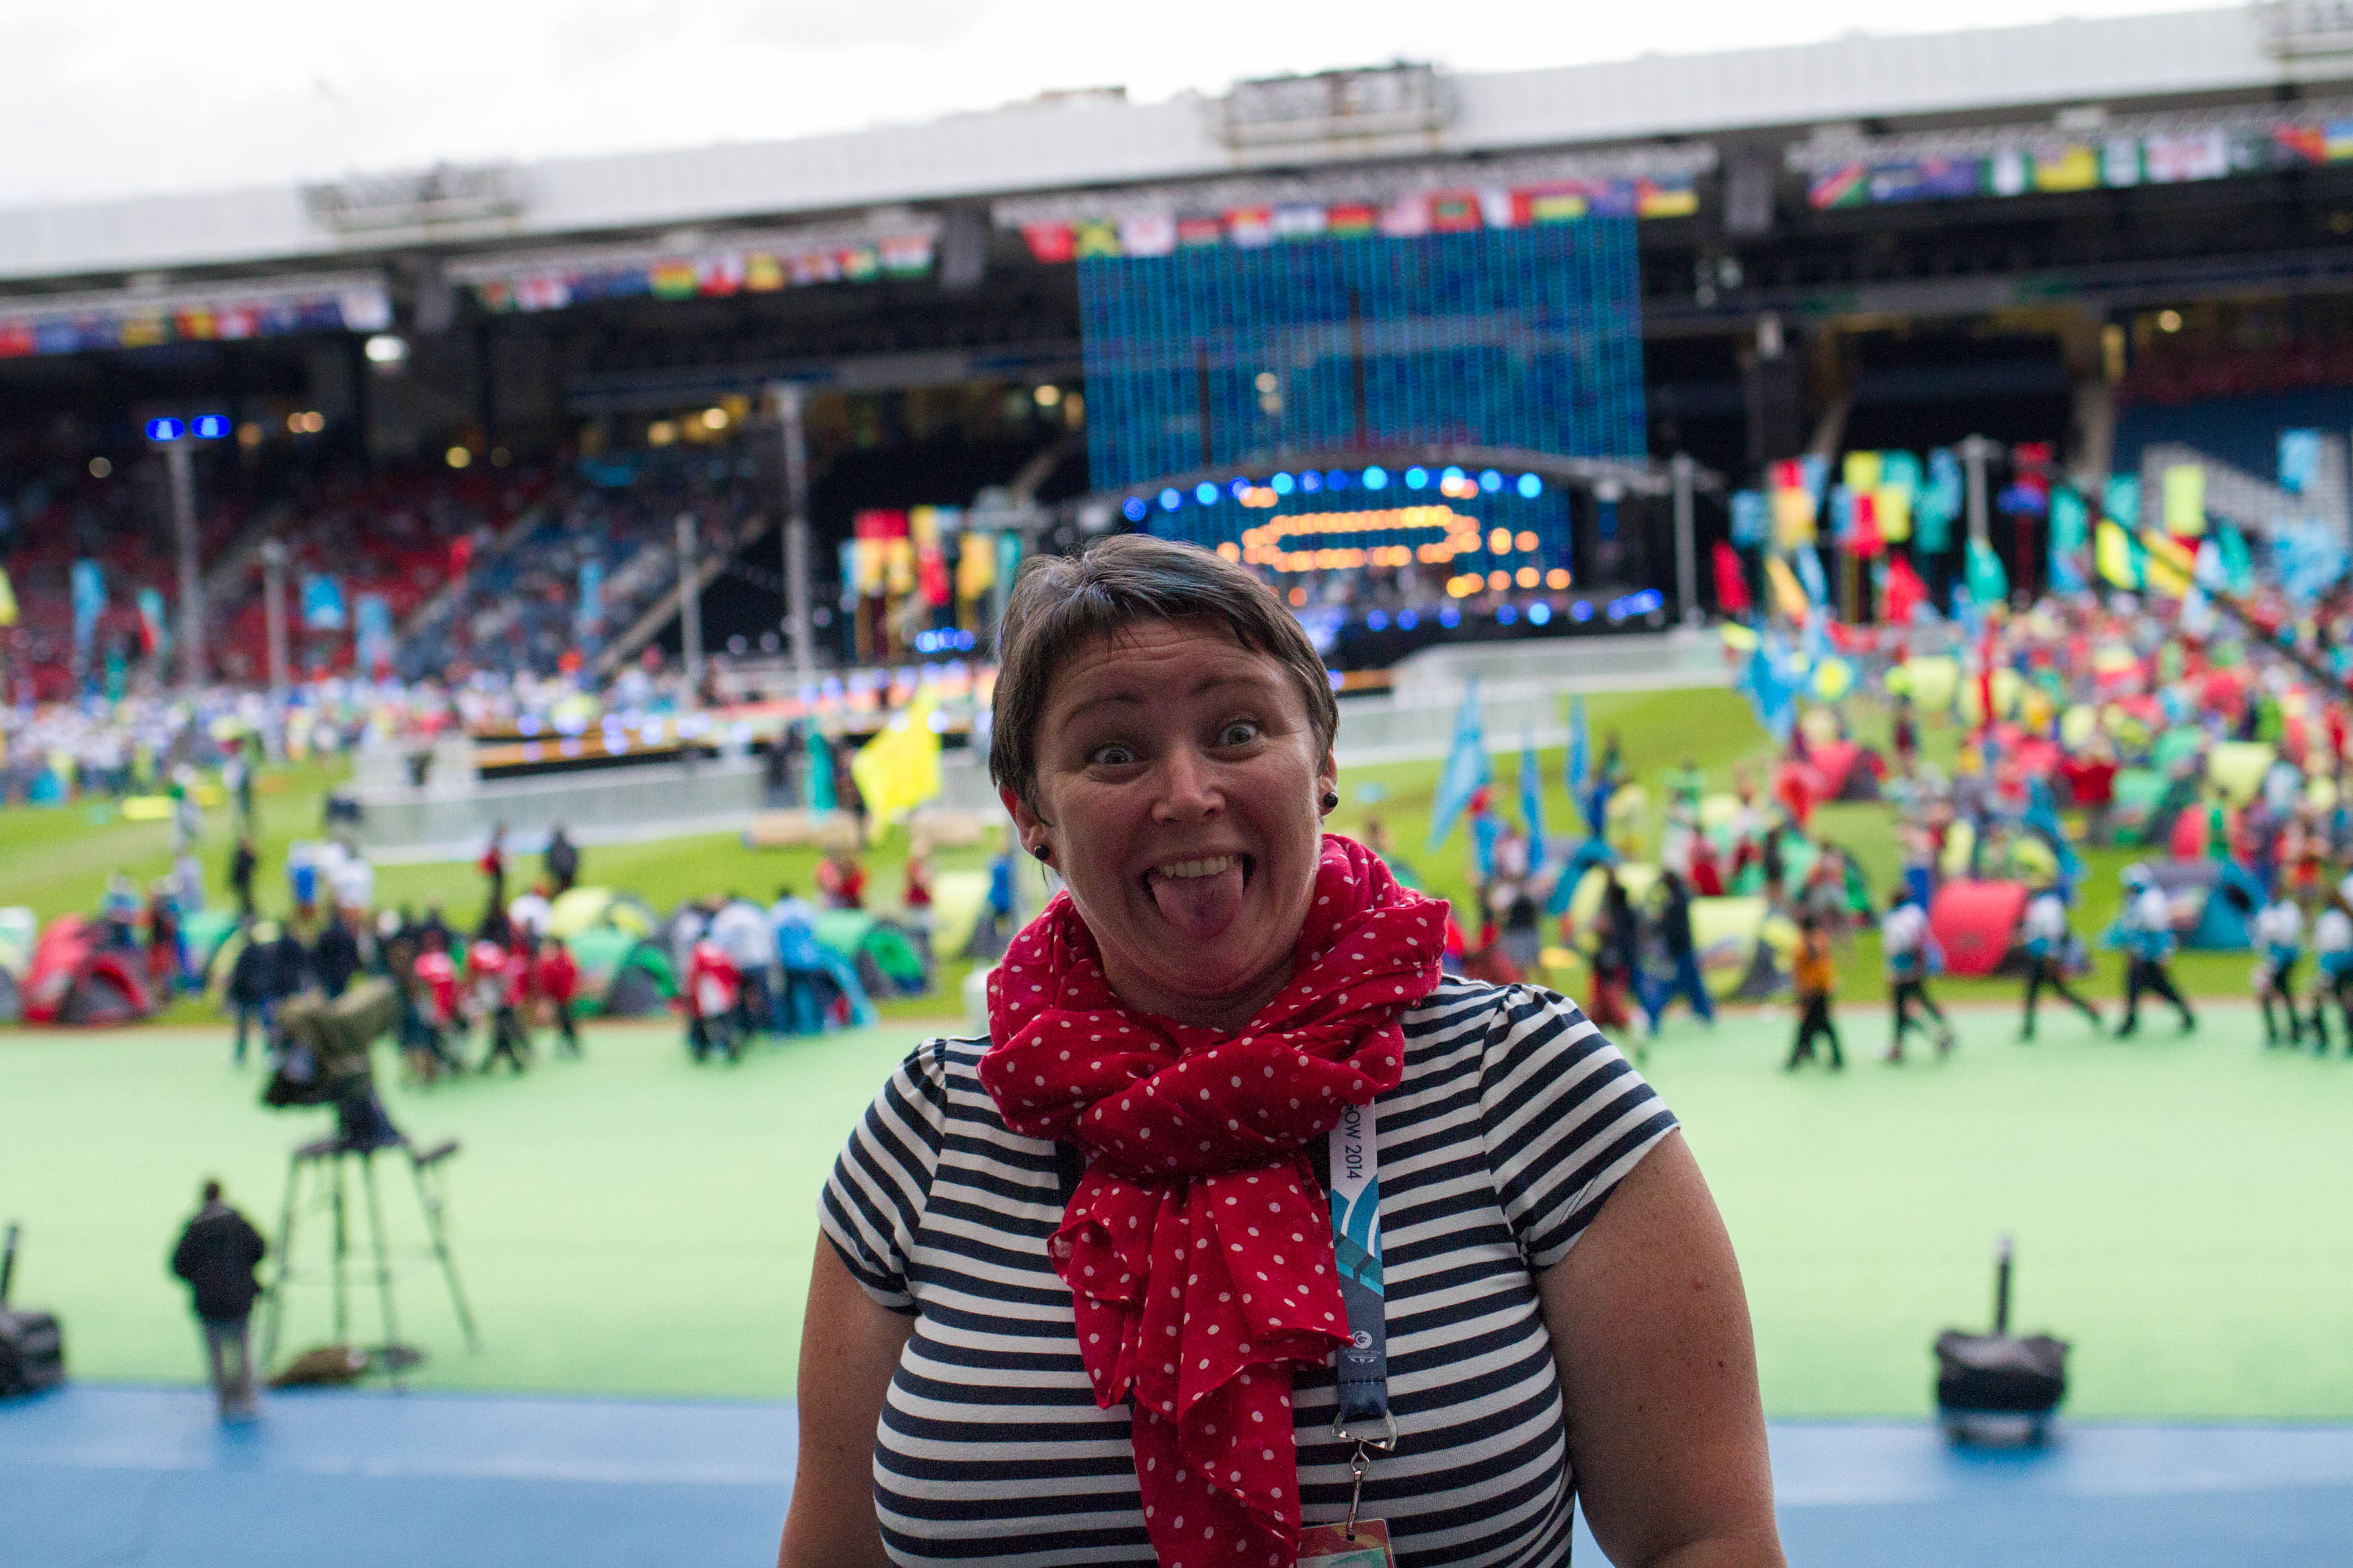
{"x": 124, "y": 318}
{"x": 1449, "y": 198}
{"x": 898, "y": 246}
{"x": 2023, "y": 161}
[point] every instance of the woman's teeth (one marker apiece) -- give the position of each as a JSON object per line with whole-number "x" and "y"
{"x": 1180, "y": 870}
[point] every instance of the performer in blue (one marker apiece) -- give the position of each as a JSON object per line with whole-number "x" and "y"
{"x": 2047, "y": 941}
{"x": 2332, "y": 948}
{"x": 2144, "y": 930}
{"x": 1911, "y": 955}
{"x": 2279, "y": 946}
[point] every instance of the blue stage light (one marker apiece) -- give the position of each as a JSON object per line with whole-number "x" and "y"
{"x": 1490, "y": 481}
{"x": 1280, "y": 484}
{"x": 1407, "y": 620}
{"x": 1135, "y": 509}
{"x": 1447, "y": 616}
{"x": 209, "y": 427}
{"x": 1337, "y": 479}
{"x": 1170, "y": 500}
{"x": 1505, "y": 614}
{"x": 1539, "y": 613}
{"x": 1376, "y": 478}
{"x": 1206, "y": 493}
{"x": 1416, "y": 479}
{"x": 1531, "y": 486}
{"x": 1452, "y": 475}
{"x": 1311, "y": 481}
{"x": 1580, "y": 611}
{"x": 165, "y": 429}
{"x": 1378, "y": 621}
{"x": 1238, "y": 488}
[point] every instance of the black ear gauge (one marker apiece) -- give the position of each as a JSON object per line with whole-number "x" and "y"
{"x": 1041, "y": 849}
{"x": 1330, "y": 801}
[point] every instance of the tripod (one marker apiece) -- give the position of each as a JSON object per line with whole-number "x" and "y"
{"x": 328, "y": 1160}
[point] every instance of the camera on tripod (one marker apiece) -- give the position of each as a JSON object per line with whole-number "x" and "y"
{"x": 326, "y": 1060}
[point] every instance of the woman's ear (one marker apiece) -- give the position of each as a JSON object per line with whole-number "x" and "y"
{"x": 1027, "y": 823}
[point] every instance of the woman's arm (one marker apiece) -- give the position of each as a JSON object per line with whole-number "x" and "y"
{"x": 1650, "y": 1329}
{"x": 849, "y": 1349}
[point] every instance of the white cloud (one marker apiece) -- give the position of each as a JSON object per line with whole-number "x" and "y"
{"x": 151, "y": 96}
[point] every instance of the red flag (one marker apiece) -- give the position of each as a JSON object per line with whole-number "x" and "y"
{"x": 1904, "y": 591}
{"x": 1731, "y": 582}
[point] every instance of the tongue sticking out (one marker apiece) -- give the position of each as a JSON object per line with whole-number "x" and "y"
{"x": 1200, "y": 906}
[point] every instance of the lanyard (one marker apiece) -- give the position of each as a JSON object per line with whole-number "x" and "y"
{"x": 1364, "y": 1361}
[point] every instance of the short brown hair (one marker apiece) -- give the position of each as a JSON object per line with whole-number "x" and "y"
{"x": 1061, "y": 603}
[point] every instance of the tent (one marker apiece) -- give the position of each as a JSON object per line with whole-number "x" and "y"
{"x": 1976, "y": 923}
{"x": 72, "y": 979}
{"x": 2236, "y": 768}
{"x": 600, "y": 908}
{"x": 890, "y": 960}
{"x": 1846, "y": 771}
{"x": 2214, "y": 901}
{"x": 622, "y": 975}
{"x": 205, "y": 934}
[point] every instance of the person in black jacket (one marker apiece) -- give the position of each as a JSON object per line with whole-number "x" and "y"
{"x": 240, "y": 878}
{"x": 218, "y": 1253}
{"x": 253, "y": 987}
{"x": 562, "y": 860}
{"x": 336, "y": 957}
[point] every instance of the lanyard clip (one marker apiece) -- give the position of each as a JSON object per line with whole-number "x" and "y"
{"x": 1358, "y": 1463}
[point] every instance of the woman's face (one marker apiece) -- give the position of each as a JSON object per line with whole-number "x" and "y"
{"x": 1178, "y": 785}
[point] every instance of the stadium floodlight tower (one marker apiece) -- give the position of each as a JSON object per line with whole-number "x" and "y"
{"x": 177, "y": 439}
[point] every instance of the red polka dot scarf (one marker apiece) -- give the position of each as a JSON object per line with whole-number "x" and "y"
{"x": 1197, "y": 1248}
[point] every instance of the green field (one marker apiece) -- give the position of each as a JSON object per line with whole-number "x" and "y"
{"x": 57, "y": 859}
{"x": 631, "y": 1224}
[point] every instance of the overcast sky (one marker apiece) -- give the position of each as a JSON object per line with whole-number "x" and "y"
{"x": 146, "y": 96}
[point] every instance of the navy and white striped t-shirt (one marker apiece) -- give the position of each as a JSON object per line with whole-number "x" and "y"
{"x": 1514, "y": 1119}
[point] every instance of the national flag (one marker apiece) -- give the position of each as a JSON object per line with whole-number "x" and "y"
{"x": 1552, "y": 203}
{"x": 1098, "y": 237}
{"x": 1844, "y": 187}
{"x": 1465, "y": 772}
{"x": 1672, "y": 197}
{"x": 1455, "y": 212}
{"x": 1495, "y": 206}
{"x": 193, "y": 324}
{"x": 1352, "y": 218}
{"x": 672, "y": 279}
{"x": 1200, "y": 228}
{"x": 719, "y": 276}
{"x": 1251, "y": 226}
{"x": 2120, "y": 162}
{"x": 906, "y": 255}
{"x": 2071, "y": 168}
{"x": 1147, "y": 233}
{"x": 2113, "y": 555}
{"x": 763, "y": 273}
{"x": 2303, "y": 143}
{"x": 1731, "y": 582}
{"x": 1298, "y": 220}
{"x": 2337, "y": 141}
{"x": 2185, "y": 499}
{"x": 16, "y": 340}
{"x": 860, "y": 263}
{"x": 899, "y": 769}
{"x": 2194, "y": 155}
{"x": 1051, "y": 243}
{"x": 143, "y": 331}
{"x": 155, "y": 636}
{"x": 1407, "y": 218}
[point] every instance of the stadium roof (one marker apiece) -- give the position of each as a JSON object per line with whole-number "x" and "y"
{"x": 1102, "y": 141}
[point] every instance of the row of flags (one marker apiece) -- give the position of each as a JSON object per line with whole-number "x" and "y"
{"x": 714, "y": 274}
{"x": 1468, "y": 771}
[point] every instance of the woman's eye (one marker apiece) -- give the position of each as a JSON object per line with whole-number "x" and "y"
{"x": 1242, "y": 733}
{"x": 1113, "y": 756}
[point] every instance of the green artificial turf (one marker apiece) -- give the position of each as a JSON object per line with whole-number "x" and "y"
{"x": 632, "y": 1224}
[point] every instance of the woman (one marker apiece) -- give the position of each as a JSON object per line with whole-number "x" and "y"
{"x": 1079, "y": 1295}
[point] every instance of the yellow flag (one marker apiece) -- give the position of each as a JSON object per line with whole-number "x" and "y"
{"x": 899, "y": 769}
{"x": 1892, "y": 505}
{"x": 2168, "y": 564}
{"x": 1861, "y": 471}
{"x": 2115, "y": 552}
{"x": 1788, "y": 595}
{"x": 2185, "y": 500}
{"x": 1793, "y": 518}
{"x": 7, "y": 602}
{"x": 976, "y": 565}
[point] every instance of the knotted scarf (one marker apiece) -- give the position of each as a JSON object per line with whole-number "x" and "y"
{"x": 1197, "y": 1246}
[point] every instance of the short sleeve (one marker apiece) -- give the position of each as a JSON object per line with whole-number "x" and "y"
{"x": 873, "y": 1202}
{"x": 1565, "y": 1116}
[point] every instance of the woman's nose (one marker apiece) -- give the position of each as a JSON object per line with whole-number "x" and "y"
{"x": 1188, "y": 786}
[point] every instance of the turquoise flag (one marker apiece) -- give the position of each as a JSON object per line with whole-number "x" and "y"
{"x": 1466, "y": 769}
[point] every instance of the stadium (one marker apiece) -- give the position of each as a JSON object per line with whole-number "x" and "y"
{"x": 1792, "y": 487}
